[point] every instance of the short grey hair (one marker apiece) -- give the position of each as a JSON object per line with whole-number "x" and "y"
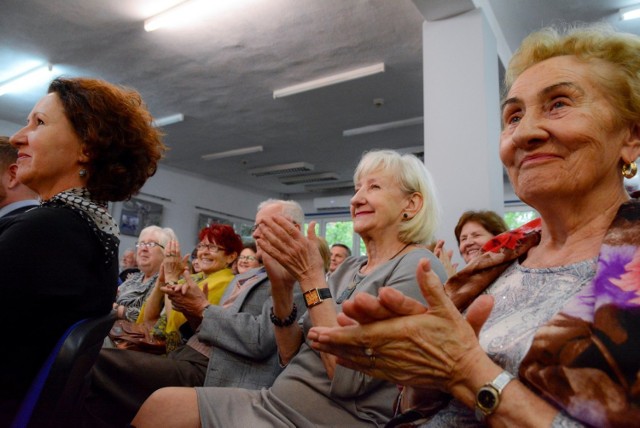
{"x": 413, "y": 177}
{"x": 290, "y": 209}
{"x": 166, "y": 234}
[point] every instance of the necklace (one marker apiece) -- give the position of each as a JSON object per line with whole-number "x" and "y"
{"x": 351, "y": 288}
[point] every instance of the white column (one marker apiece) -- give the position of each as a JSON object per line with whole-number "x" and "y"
{"x": 462, "y": 117}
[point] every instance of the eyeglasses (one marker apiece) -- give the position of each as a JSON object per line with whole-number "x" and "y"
{"x": 149, "y": 245}
{"x": 247, "y": 258}
{"x": 211, "y": 247}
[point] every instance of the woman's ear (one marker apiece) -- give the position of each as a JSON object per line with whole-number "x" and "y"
{"x": 414, "y": 204}
{"x": 83, "y": 156}
{"x": 631, "y": 147}
{"x": 229, "y": 258}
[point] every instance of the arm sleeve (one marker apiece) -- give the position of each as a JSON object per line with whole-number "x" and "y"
{"x": 244, "y": 333}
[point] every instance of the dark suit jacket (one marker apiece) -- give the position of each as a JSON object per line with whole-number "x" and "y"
{"x": 244, "y": 352}
{"x": 19, "y": 210}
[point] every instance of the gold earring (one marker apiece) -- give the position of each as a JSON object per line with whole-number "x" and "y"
{"x": 629, "y": 170}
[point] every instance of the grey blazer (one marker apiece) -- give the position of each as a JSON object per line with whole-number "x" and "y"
{"x": 244, "y": 351}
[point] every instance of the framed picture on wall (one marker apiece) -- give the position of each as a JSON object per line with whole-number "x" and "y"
{"x": 242, "y": 228}
{"x": 138, "y": 214}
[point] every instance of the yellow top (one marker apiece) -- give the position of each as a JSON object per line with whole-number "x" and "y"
{"x": 217, "y": 283}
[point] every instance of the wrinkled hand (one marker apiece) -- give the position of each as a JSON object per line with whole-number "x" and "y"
{"x": 281, "y": 280}
{"x": 398, "y": 339}
{"x": 445, "y": 258}
{"x": 187, "y": 297}
{"x": 279, "y": 238}
{"x": 173, "y": 264}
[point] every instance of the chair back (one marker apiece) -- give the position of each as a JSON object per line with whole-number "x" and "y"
{"x": 58, "y": 390}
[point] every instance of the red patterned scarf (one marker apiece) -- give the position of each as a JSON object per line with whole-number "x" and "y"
{"x": 586, "y": 359}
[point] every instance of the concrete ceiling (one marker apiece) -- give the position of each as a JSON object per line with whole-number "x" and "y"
{"x": 220, "y": 72}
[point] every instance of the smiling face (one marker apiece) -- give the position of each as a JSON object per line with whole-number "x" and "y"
{"x": 49, "y": 151}
{"x": 378, "y": 204}
{"x": 212, "y": 258}
{"x": 149, "y": 259}
{"x": 247, "y": 260}
{"x": 472, "y": 237}
{"x": 560, "y": 138}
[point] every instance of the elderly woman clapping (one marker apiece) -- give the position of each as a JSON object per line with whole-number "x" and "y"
{"x": 561, "y": 295}
{"x": 394, "y": 210}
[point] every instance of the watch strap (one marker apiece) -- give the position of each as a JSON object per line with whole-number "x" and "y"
{"x": 315, "y": 296}
{"x": 491, "y": 391}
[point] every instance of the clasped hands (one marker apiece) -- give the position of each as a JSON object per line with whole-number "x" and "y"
{"x": 283, "y": 241}
{"x": 432, "y": 347}
{"x": 186, "y": 297}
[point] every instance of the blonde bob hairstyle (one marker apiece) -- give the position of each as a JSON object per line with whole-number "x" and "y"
{"x": 412, "y": 177}
{"x": 589, "y": 43}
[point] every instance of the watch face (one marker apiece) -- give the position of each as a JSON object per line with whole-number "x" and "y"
{"x": 312, "y": 298}
{"x": 487, "y": 398}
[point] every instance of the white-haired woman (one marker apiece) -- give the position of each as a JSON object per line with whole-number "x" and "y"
{"x": 149, "y": 255}
{"x": 394, "y": 210}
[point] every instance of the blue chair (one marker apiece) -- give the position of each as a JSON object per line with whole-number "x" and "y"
{"x": 57, "y": 392}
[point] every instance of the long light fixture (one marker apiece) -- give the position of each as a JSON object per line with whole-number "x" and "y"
{"x": 281, "y": 169}
{"x": 329, "y": 80}
{"x": 231, "y": 153}
{"x": 167, "y": 120}
{"x": 189, "y": 11}
{"x": 310, "y": 178}
{"x": 26, "y": 79}
{"x": 176, "y": 15}
{"x": 632, "y": 12}
{"x": 382, "y": 126}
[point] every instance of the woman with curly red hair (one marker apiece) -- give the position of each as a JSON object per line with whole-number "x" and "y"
{"x": 85, "y": 143}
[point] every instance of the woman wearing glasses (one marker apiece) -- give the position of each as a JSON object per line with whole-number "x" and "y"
{"x": 150, "y": 254}
{"x": 248, "y": 258}
{"x": 218, "y": 248}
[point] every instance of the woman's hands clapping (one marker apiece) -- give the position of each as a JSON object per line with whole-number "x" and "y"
{"x": 397, "y": 338}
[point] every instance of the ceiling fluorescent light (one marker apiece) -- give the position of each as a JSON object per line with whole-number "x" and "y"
{"x": 282, "y": 169}
{"x": 335, "y": 186}
{"x": 382, "y": 126}
{"x": 167, "y": 120}
{"x": 231, "y": 153}
{"x": 329, "y": 80}
{"x": 628, "y": 13}
{"x": 310, "y": 178}
{"x": 27, "y": 79}
{"x": 179, "y": 14}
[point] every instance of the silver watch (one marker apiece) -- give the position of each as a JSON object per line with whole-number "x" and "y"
{"x": 488, "y": 397}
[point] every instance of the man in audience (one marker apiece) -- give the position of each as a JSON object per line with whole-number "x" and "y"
{"x": 339, "y": 252}
{"x": 15, "y": 197}
{"x": 234, "y": 345}
{"x": 128, "y": 264}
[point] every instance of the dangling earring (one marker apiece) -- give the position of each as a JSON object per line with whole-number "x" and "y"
{"x": 83, "y": 173}
{"x": 629, "y": 170}
{"x": 405, "y": 216}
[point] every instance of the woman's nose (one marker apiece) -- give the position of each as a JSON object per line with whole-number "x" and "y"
{"x": 530, "y": 130}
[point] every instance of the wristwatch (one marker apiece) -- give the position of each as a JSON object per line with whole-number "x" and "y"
{"x": 315, "y": 296}
{"x": 488, "y": 397}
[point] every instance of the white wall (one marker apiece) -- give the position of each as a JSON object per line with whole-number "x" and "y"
{"x": 9, "y": 128}
{"x": 462, "y": 122}
{"x": 180, "y": 193}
